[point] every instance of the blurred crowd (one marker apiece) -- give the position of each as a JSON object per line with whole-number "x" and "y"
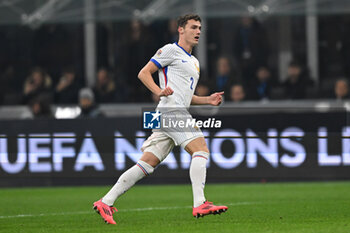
{"x": 244, "y": 72}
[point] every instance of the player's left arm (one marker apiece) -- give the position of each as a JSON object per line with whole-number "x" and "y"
{"x": 214, "y": 99}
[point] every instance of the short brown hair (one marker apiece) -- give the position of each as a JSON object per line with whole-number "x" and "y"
{"x": 182, "y": 20}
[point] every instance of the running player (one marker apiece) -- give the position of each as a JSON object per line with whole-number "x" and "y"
{"x": 178, "y": 76}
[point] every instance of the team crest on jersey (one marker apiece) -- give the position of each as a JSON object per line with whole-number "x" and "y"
{"x": 197, "y": 68}
{"x": 159, "y": 52}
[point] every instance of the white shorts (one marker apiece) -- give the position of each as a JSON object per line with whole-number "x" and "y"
{"x": 161, "y": 144}
{"x": 163, "y": 140}
{"x": 180, "y": 134}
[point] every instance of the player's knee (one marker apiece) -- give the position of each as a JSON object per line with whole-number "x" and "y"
{"x": 201, "y": 154}
{"x": 150, "y": 158}
{"x": 204, "y": 149}
{"x": 145, "y": 167}
{"x": 197, "y": 144}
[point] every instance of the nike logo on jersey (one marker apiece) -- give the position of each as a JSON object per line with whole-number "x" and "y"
{"x": 183, "y": 61}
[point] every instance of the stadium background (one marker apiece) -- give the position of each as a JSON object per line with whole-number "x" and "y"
{"x": 71, "y": 115}
{"x": 83, "y": 37}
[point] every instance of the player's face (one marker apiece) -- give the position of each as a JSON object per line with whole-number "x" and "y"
{"x": 191, "y": 32}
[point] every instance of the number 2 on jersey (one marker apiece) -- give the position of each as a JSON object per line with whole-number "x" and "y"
{"x": 192, "y": 80}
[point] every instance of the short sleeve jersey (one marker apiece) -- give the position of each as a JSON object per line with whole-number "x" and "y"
{"x": 179, "y": 70}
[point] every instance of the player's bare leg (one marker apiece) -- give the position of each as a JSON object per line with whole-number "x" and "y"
{"x": 200, "y": 154}
{"x": 144, "y": 167}
{"x": 197, "y": 144}
{"x": 150, "y": 158}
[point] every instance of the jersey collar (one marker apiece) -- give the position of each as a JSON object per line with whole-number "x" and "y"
{"x": 183, "y": 49}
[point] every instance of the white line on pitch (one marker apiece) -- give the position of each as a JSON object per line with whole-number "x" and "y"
{"x": 123, "y": 210}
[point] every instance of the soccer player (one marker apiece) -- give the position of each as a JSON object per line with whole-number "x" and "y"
{"x": 178, "y": 76}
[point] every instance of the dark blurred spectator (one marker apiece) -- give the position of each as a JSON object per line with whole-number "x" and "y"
{"x": 297, "y": 82}
{"x": 225, "y": 76}
{"x": 237, "y": 93}
{"x": 87, "y": 104}
{"x": 261, "y": 85}
{"x": 38, "y": 83}
{"x": 104, "y": 89}
{"x": 171, "y": 35}
{"x": 8, "y": 90}
{"x": 66, "y": 91}
{"x": 56, "y": 46}
{"x": 251, "y": 47}
{"x": 40, "y": 107}
{"x": 202, "y": 89}
{"x": 138, "y": 47}
{"x": 341, "y": 89}
{"x": 122, "y": 90}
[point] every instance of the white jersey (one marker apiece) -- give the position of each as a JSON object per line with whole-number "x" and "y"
{"x": 179, "y": 70}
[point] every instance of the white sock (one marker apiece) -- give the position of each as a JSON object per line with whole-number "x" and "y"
{"x": 198, "y": 172}
{"x": 127, "y": 180}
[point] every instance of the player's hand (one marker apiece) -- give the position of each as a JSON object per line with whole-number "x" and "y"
{"x": 166, "y": 91}
{"x": 215, "y": 99}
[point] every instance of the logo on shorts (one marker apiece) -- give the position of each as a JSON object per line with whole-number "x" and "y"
{"x": 151, "y": 120}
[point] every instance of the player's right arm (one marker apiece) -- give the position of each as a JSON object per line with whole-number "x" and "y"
{"x": 145, "y": 75}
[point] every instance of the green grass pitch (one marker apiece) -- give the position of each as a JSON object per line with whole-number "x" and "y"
{"x": 270, "y": 207}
